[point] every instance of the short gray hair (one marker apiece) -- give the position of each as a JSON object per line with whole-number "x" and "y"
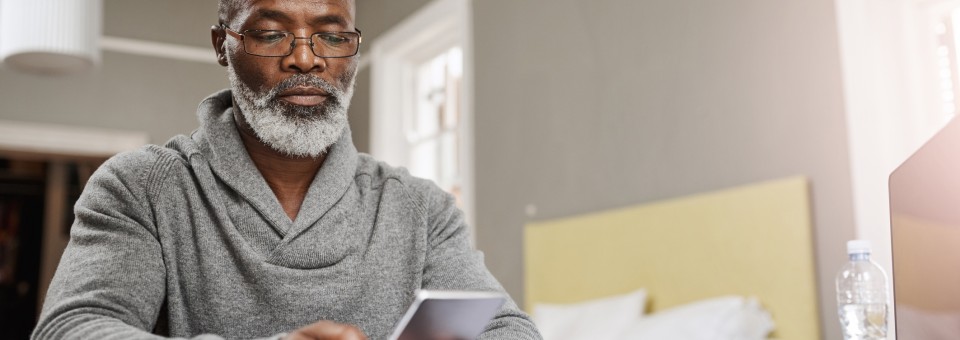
{"x": 226, "y": 9}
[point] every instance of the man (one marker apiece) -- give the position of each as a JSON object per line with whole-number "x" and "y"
{"x": 265, "y": 222}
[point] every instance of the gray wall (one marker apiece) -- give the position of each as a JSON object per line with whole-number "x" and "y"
{"x": 157, "y": 96}
{"x": 589, "y": 105}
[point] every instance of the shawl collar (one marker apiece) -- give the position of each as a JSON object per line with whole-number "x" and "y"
{"x": 220, "y": 144}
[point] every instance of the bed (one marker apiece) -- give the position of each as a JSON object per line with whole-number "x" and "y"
{"x": 754, "y": 241}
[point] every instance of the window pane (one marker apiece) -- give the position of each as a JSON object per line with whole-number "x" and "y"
{"x": 423, "y": 157}
{"x": 427, "y": 103}
{"x": 449, "y": 160}
{"x": 435, "y": 124}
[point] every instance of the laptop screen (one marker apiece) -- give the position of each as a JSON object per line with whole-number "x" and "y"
{"x": 925, "y": 231}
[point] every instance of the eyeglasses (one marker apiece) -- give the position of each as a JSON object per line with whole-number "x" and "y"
{"x": 270, "y": 43}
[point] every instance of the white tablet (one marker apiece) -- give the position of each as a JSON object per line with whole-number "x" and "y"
{"x": 442, "y": 315}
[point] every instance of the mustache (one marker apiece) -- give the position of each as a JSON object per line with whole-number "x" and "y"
{"x": 300, "y": 79}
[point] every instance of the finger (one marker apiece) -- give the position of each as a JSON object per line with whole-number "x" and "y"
{"x": 353, "y": 333}
{"x": 328, "y": 330}
{"x": 295, "y": 336}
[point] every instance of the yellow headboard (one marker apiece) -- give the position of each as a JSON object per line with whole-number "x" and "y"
{"x": 751, "y": 241}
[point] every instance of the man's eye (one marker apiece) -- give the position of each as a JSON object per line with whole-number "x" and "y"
{"x": 268, "y": 37}
{"x": 333, "y": 39}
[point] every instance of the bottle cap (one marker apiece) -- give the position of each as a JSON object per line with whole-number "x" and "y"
{"x": 858, "y": 247}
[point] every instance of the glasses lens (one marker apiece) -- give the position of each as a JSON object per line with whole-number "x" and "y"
{"x": 335, "y": 44}
{"x": 267, "y": 43}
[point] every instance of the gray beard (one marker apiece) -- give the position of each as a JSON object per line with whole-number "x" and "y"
{"x": 294, "y": 130}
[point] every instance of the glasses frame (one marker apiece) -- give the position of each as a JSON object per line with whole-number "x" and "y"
{"x": 293, "y": 43}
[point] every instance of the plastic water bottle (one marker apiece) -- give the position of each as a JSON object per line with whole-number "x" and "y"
{"x": 862, "y": 295}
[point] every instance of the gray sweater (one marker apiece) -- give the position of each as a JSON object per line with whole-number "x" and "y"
{"x": 191, "y": 235}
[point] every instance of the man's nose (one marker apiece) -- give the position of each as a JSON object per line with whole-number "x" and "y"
{"x": 302, "y": 59}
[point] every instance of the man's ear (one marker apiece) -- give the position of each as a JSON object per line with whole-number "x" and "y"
{"x": 218, "y": 38}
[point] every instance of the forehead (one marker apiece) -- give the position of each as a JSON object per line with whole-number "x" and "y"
{"x": 294, "y": 10}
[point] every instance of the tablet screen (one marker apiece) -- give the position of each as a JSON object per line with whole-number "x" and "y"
{"x": 443, "y": 315}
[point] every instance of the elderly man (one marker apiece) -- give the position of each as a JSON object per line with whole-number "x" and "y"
{"x": 265, "y": 222}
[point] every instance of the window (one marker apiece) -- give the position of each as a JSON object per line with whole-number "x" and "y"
{"x": 947, "y": 61}
{"x": 899, "y": 63}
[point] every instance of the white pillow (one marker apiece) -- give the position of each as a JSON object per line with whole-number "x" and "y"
{"x": 599, "y": 319}
{"x": 724, "y": 318}
{"x": 755, "y": 321}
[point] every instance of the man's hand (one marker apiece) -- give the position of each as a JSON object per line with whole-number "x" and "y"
{"x": 327, "y": 330}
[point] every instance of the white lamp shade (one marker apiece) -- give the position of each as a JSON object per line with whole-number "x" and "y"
{"x": 50, "y": 36}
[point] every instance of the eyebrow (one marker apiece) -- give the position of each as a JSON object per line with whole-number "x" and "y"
{"x": 320, "y": 20}
{"x": 272, "y": 15}
{"x": 329, "y": 19}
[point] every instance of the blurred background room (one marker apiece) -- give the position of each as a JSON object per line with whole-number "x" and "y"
{"x": 526, "y": 110}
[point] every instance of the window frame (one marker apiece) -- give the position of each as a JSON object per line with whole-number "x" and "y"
{"x": 394, "y": 56}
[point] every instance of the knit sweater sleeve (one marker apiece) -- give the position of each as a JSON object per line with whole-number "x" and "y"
{"x": 453, "y": 264}
{"x": 110, "y": 283}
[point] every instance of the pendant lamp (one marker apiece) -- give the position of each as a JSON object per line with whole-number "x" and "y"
{"x": 50, "y": 36}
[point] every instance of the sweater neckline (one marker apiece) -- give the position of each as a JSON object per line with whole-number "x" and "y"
{"x": 221, "y": 145}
